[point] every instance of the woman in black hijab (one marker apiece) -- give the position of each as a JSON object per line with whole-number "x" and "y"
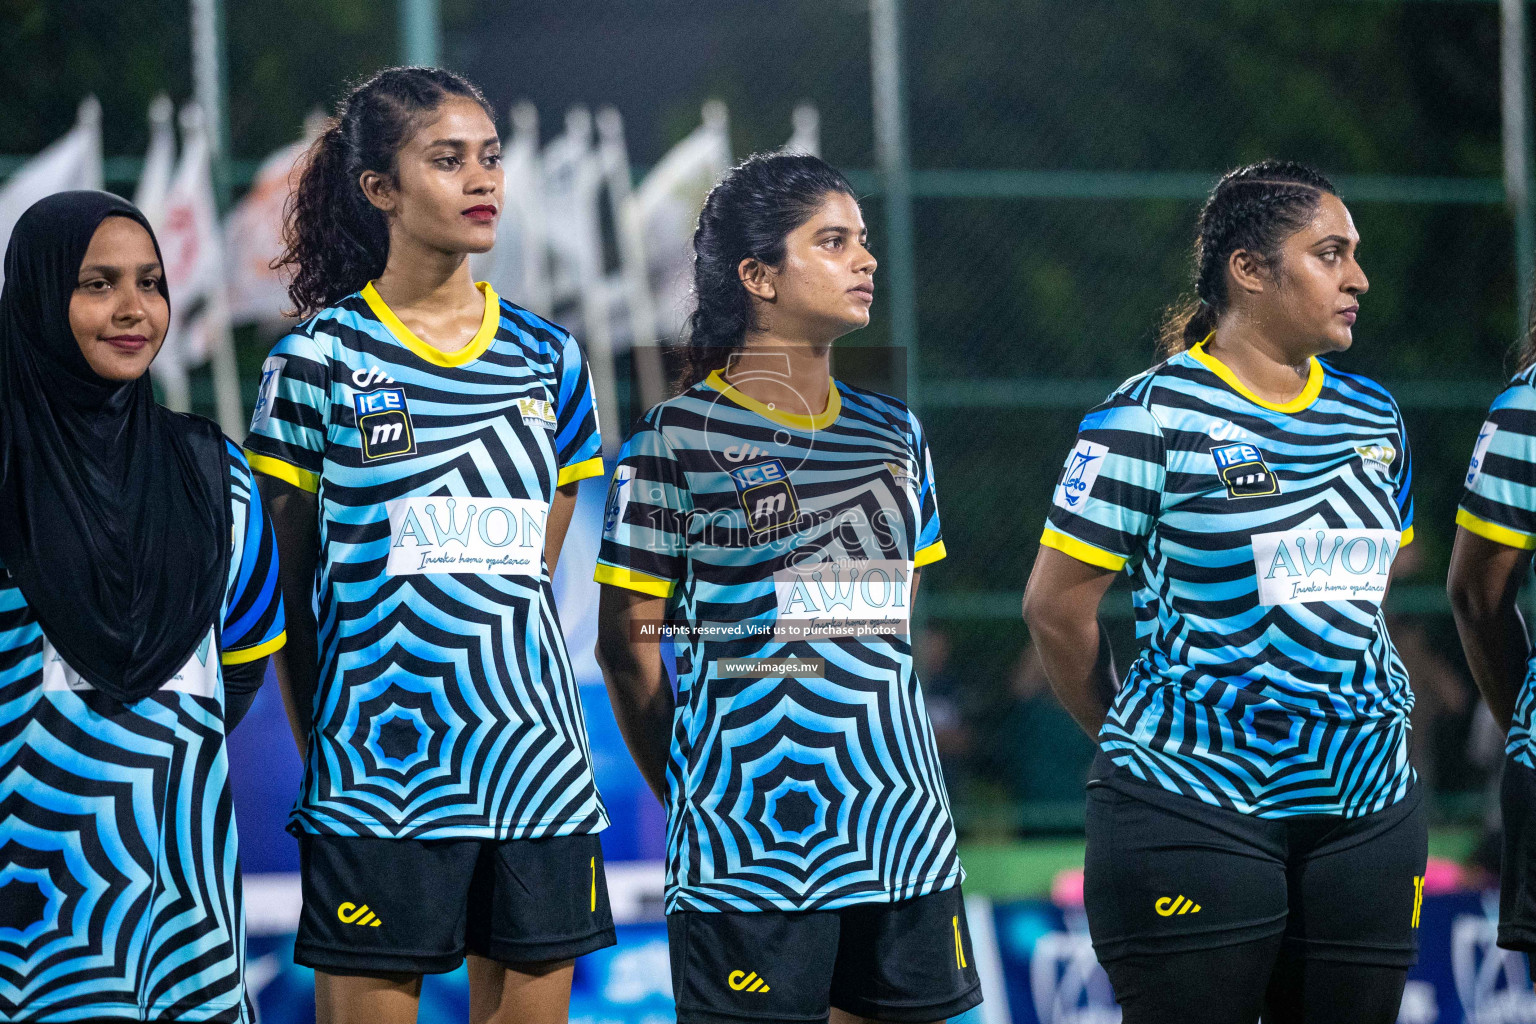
{"x": 138, "y": 605}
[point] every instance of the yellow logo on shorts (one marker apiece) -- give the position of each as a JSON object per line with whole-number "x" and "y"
{"x": 1418, "y": 898}
{"x": 1169, "y": 906}
{"x": 351, "y": 913}
{"x": 742, "y": 980}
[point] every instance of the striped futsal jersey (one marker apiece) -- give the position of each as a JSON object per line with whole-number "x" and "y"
{"x": 1499, "y": 503}
{"x": 119, "y": 873}
{"x": 446, "y": 705}
{"x": 810, "y": 790}
{"x": 1259, "y": 538}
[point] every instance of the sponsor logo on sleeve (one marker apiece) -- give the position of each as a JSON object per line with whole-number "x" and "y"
{"x": 487, "y": 536}
{"x": 618, "y": 497}
{"x": 1311, "y": 564}
{"x": 266, "y": 391}
{"x": 1243, "y": 470}
{"x": 384, "y": 423}
{"x": 1077, "y": 479}
{"x": 1480, "y": 452}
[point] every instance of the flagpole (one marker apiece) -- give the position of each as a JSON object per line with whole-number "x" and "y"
{"x": 420, "y": 35}
{"x": 210, "y": 90}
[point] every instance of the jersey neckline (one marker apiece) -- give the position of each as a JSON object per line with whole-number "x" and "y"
{"x": 490, "y": 321}
{"x": 1309, "y": 393}
{"x": 819, "y": 421}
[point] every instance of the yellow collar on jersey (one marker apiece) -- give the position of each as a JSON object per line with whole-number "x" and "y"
{"x": 820, "y": 421}
{"x": 1307, "y": 397}
{"x": 489, "y": 323}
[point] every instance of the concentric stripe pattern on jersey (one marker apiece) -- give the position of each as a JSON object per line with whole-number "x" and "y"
{"x": 119, "y": 873}
{"x": 446, "y": 706}
{"x": 790, "y": 793}
{"x": 1499, "y": 503}
{"x": 1259, "y": 539}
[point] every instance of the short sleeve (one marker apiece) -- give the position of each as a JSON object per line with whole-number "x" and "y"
{"x": 578, "y": 443}
{"x": 293, "y": 405}
{"x": 644, "y": 544}
{"x": 930, "y": 535}
{"x": 253, "y": 605}
{"x": 1402, "y": 491}
{"x": 1499, "y": 501}
{"x": 1110, "y": 490}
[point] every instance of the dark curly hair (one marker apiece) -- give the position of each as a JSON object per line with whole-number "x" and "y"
{"x": 336, "y": 240}
{"x": 1254, "y": 208}
{"x": 749, "y": 214}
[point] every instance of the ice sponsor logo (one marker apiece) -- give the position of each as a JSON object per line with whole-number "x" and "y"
{"x": 494, "y": 536}
{"x": 1243, "y": 471}
{"x": 767, "y": 496}
{"x": 266, "y": 391}
{"x": 1309, "y": 565}
{"x": 384, "y": 424}
{"x": 1077, "y": 479}
{"x": 844, "y": 597}
{"x": 1480, "y": 452}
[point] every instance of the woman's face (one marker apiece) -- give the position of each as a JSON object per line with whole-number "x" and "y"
{"x": 826, "y": 283}
{"x": 116, "y": 311}
{"x": 1319, "y": 282}
{"x": 447, "y": 192}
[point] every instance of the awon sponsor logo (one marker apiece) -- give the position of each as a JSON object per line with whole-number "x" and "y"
{"x": 845, "y": 591}
{"x": 500, "y": 536}
{"x": 1301, "y": 566}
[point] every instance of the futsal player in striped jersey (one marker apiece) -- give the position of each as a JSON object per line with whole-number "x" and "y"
{"x": 1256, "y": 837}
{"x": 811, "y": 861}
{"x": 1495, "y": 535}
{"x": 421, "y": 441}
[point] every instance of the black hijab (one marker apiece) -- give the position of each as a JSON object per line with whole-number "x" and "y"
{"x": 113, "y": 515}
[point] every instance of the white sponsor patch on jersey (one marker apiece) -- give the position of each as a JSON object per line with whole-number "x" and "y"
{"x": 537, "y": 412}
{"x": 1480, "y": 452}
{"x": 1082, "y": 470}
{"x": 845, "y": 592}
{"x": 199, "y": 676}
{"x": 266, "y": 391}
{"x": 493, "y": 536}
{"x": 1314, "y": 564}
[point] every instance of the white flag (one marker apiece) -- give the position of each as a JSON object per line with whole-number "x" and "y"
{"x": 664, "y": 210}
{"x": 253, "y": 234}
{"x": 72, "y": 162}
{"x": 193, "y": 251}
{"x": 517, "y": 267}
{"x": 805, "y": 140}
{"x": 159, "y": 160}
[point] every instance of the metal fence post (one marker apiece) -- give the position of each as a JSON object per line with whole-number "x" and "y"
{"x": 894, "y": 162}
{"x": 1515, "y": 104}
{"x": 420, "y": 38}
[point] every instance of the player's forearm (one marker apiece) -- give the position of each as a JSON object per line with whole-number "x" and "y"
{"x": 295, "y": 524}
{"x": 643, "y": 707}
{"x": 557, "y": 523}
{"x": 1497, "y": 652}
{"x": 1076, "y": 659}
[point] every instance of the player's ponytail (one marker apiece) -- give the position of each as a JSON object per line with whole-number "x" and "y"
{"x": 1255, "y": 208}
{"x": 748, "y": 215}
{"x": 336, "y": 240}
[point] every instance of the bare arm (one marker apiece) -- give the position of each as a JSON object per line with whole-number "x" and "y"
{"x": 1061, "y": 607}
{"x": 558, "y": 522}
{"x": 295, "y": 515}
{"x": 1484, "y": 581}
{"x": 637, "y": 680}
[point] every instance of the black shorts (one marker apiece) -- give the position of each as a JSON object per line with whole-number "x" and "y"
{"x": 410, "y": 906}
{"x": 1166, "y": 874}
{"x": 1517, "y": 871}
{"x": 898, "y": 962}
